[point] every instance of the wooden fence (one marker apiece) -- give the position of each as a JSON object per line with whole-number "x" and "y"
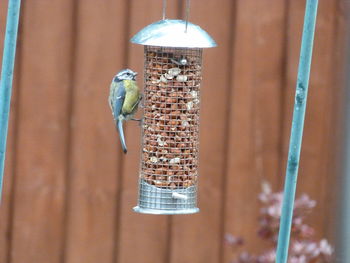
{"x": 69, "y": 190}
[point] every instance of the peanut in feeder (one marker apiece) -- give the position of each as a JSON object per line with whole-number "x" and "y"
{"x": 170, "y": 128}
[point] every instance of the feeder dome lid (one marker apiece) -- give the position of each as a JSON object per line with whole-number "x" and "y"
{"x": 173, "y": 33}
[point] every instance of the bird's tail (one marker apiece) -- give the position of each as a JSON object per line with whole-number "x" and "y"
{"x": 121, "y": 135}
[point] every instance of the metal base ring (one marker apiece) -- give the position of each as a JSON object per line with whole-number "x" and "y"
{"x": 165, "y": 212}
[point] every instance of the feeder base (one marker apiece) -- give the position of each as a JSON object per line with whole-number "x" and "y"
{"x": 165, "y": 212}
{"x": 160, "y": 201}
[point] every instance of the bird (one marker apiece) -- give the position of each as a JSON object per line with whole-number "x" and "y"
{"x": 124, "y": 99}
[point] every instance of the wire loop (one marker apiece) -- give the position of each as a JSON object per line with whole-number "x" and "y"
{"x": 164, "y": 8}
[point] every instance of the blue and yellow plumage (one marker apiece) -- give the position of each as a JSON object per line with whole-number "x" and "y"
{"x": 124, "y": 99}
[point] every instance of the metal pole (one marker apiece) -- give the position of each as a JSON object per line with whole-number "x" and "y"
{"x": 8, "y": 62}
{"x": 297, "y": 130}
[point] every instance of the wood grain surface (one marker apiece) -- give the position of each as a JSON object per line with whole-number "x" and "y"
{"x": 69, "y": 190}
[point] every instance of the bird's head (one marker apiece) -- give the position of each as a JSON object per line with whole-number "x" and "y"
{"x": 125, "y": 74}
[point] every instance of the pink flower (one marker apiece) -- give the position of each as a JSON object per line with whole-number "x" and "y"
{"x": 274, "y": 211}
{"x": 297, "y": 247}
{"x": 302, "y": 248}
{"x": 267, "y": 257}
{"x": 306, "y": 231}
{"x": 301, "y": 259}
{"x": 325, "y": 248}
{"x": 311, "y": 249}
{"x": 304, "y": 203}
{"x": 233, "y": 240}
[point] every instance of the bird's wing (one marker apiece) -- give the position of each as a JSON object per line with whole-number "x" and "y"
{"x": 118, "y": 100}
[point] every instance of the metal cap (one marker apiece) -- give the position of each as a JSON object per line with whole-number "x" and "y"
{"x": 172, "y": 33}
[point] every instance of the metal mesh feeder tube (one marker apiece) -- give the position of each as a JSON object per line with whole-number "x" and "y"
{"x": 170, "y": 128}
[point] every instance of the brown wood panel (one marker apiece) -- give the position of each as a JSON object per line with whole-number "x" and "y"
{"x": 337, "y": 135}
{"x": 94, "y": 152}
{"x": 42, "y": 132}
{"x": 198, "y": 238}
{"x": 314, "y": 173}
{"x": 3, "y": 16}
{"x": 6, "y": 201}
{"x": 142, "y": 238}
{"x": 73, "y": 188}
{"x": 4, "y": 206}
{"x": 254, "y": 131}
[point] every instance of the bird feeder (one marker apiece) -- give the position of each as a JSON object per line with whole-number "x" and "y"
{"x": 170, "y": 127}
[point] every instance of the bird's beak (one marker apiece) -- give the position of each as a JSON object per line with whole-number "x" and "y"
{"x": 135, "y": 74}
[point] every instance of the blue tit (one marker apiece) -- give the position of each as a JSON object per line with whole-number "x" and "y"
{"x": 124, "y": 99}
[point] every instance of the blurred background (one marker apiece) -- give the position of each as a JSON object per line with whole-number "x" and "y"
{"x": 69, "y": 190}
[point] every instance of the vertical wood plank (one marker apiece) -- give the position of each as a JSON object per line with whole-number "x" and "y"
{"x": 315, "y": 176}
{"x": 42, "y": 132}
{"x": 253, "y": 97}
{"x": 198, "y": 238}
{"x": 339, "y": 75}
{"x": 254, "y": 129}
{"x": 3, "y": 14}
{"x": 142, "y": 238}
{"x": 6, "y": 202}
{"x": 95, "y": 155}
{"x": 4, "y": 206}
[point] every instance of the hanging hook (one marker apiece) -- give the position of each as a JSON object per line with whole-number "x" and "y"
{"x": 164, "y": 8}
{"x": 187, "y": 13}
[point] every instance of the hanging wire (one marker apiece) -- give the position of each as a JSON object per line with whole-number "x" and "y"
{"x": 187, "y": 13}
{"x": 296, "y": 131}
{"x": 164, "y": 8}
{"x": 8, "y": 62}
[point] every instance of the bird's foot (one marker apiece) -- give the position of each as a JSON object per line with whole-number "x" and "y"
{"x": 139, "y": 121}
